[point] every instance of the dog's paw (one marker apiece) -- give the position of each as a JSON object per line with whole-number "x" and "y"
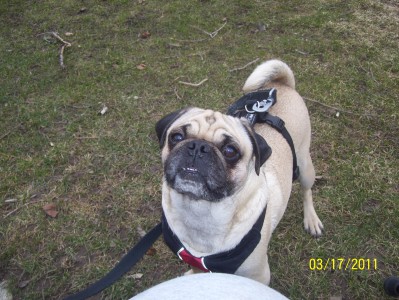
{"x": 193, "y": 270}
{"x": 189, "y": 272}
{"x": 313, "y": 225}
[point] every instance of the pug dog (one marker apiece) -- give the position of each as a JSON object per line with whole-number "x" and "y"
{"x": 222, "y": 175}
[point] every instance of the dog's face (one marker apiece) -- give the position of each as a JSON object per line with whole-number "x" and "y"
{"x": 208, "y": 155}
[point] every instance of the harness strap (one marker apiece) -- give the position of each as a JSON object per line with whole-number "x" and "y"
{"x": 223, "y": 262}
{"x": 254, "y": 107}
{"x": 228, "y": 261}
{"x": 279, "y": 125}
{"x": 124, "y": 265}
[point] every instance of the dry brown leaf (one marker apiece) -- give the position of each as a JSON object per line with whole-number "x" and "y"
{"x": 23, "y": 284}
{"x": 145, "y": 34}
{"x": 50, "y": 210}
{"x": 151, "y": 252}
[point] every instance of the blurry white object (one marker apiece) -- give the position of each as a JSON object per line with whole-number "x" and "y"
{"x": 210, "y": 286}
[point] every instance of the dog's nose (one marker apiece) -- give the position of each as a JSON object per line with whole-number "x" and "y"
{"x": 198, "y": 148}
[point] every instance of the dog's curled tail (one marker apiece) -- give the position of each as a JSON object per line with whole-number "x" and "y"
{"x": 269, "y": 71}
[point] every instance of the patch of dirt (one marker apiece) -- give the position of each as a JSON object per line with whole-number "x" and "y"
{"x": 371, "y": 205}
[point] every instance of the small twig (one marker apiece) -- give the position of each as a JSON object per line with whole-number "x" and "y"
{"x": 211, "y": 34}
{"x": 12, "y": 200}
{"x": 368, "y": 71}
{"x": 55, "y": 35}
{"x": 62, "y": 56}
{"x": 301, "y": 52}
{"x": 80, "y": 106}
{"x": 13, "y": 211}
{"x": 64, "y": 45}
{"x": 18, "y": 208}
{"x": 242, "y": 68}
{"x": 197, "y": 54}
{"x": 10, "y": 131}
{"x": 192, "y": 41}
{"x": 337, "y": 109}
{"x": 193, "y": 84}
{"x": 86, "y": 137}
{"x": 177, "y": 95}
{"x": 5, "y": 135}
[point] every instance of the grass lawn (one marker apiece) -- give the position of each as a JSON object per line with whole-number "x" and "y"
{"x": 102, "y": 172}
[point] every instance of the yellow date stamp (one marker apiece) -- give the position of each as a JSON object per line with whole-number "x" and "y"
{"x": 343, "y": 264}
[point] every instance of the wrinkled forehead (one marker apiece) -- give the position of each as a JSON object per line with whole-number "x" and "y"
{"x": 211, "y": 125}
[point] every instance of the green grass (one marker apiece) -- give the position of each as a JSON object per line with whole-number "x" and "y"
{"x": 104, "y": 172}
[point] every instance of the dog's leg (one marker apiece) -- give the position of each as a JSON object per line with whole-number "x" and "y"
{"x": 193, "y": 270}
{"x": 265, "y": 277}
{"x": 256, "y": 266}
{"x": 312, "y": 222}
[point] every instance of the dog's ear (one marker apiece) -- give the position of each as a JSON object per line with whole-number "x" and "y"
{"x": 262, "y": 150}
{"x": 163, "y": 125}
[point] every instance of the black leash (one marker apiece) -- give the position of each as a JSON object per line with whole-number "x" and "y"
{"x": 253, "y": 106}
{"x": 125, "y": 264}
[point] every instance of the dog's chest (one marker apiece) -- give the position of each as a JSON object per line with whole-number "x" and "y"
{"x": 202, "y": 227}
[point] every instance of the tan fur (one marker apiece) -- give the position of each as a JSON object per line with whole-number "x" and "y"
{"x": 207, "y": 227}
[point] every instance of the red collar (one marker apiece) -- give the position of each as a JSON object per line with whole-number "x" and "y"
{"x": 223, "y": 262}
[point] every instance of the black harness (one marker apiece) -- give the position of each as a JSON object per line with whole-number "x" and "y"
{"x": 254, "y": 107}
{"x": 223, "y": 262}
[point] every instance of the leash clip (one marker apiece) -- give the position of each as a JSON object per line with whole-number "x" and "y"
{"x": 249, "y": 111}
{"x": 265, "y": 104}
{"x": 262, "y": 106}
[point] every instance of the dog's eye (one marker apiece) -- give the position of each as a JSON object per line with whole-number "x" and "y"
{"x": 230, "y": 152}
{"x": 176, "y": 137}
